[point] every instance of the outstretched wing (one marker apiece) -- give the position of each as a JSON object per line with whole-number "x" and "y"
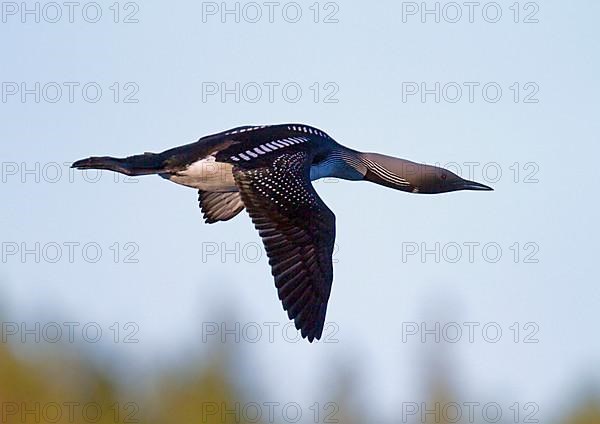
{"x": 219, "y": 206}
{"x": 298, "y": 231}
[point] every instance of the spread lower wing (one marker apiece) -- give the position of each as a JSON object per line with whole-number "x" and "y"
{"x": 298, "y": 231}
{"x": 219, "y": 206}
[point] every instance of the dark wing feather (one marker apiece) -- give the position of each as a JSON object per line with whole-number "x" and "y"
{"x": 298, "y": 231}
{"x": 219, "y": 206}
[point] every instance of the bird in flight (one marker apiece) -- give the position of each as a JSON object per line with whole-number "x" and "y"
{"x": 268, "y": 170}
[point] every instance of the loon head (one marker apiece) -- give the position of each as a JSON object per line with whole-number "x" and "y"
{"x": 433, "y": 180}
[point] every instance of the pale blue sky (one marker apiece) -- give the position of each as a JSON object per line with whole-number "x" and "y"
{"x": 369, "y": 54}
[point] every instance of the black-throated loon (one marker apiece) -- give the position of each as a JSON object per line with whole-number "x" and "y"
{"x": 268, "y": 171}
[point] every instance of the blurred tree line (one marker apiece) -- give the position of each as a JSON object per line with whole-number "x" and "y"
{"x": 67, "y": 388}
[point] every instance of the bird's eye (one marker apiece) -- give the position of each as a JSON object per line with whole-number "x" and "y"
{"x": 444, "y": 176}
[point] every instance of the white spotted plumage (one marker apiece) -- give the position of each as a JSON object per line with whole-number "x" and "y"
{"x": 268, "y": 147}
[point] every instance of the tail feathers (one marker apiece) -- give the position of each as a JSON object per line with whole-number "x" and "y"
{"x": 146, "y": 164}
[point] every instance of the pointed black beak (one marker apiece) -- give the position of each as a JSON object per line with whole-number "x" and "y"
{"x": 472, "y": 185}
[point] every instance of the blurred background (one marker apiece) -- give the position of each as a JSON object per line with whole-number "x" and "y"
{"x": 118, "y": 304}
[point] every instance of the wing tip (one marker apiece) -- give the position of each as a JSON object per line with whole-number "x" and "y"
{"x": 311, "y": 326}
